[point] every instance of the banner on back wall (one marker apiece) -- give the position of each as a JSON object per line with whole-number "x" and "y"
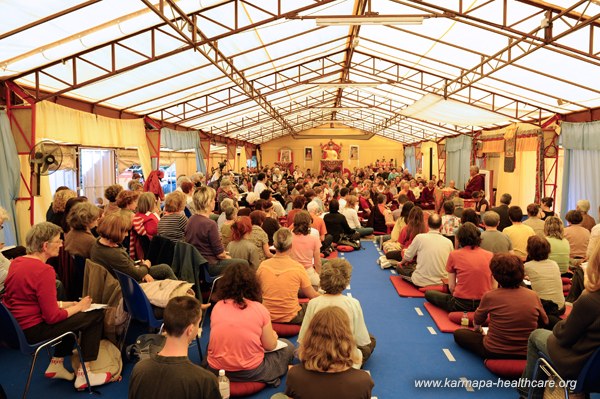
{"x": 510, "y": 149}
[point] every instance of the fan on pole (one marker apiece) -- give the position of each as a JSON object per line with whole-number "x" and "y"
{"x": 45, "y": 158}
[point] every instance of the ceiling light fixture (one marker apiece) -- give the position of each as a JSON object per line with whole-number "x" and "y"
{"x": 369, "y": 20}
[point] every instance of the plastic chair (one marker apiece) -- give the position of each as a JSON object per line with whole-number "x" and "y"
{"x": 588, "y": 379}
{"x": 12, "y": 334}
{"x": 212, "y": 280}
{"x": 138, "y": 306}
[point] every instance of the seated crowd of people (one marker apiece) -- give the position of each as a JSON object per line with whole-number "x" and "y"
{"x": 269, "y": 243}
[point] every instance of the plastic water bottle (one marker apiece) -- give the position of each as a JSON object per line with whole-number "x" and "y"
{"x": 464, "y": 320}
{"x": 223, "y": 385}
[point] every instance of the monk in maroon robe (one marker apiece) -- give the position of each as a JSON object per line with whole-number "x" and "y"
{"x": 476, "y": 183}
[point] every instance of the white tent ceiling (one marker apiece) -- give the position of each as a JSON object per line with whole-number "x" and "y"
{"x": 487, "y": 63}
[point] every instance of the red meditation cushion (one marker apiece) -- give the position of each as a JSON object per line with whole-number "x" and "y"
{"x": 440, "y": 288}
{"x": 506, "y": 368}
{"x": 246, "y": 388}
{"x": 286, "y": 330}
{"x": 345, "y": 248}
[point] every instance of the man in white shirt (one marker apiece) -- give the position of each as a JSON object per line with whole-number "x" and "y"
{"x": 343, "y": 194}
{"x": 432, "y": 250}
{"x": 260, "y": 185}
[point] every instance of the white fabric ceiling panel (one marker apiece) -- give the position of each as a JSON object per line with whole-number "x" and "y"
{"x": 466, "y": 38}
{"x": 410, "y": 60}
{"x": 435, "y": 108}
{"x": 550, "y": 88}
{"x": 164, "y": 85}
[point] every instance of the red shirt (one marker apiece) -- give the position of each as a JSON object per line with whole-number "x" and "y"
{"x": 472, "y": 269}
{"x": 31, "y": 293}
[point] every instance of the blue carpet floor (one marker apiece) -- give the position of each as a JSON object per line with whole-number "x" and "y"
{"x": 409, "y": 348}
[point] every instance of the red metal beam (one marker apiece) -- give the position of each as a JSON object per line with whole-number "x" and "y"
{"x": 152, "y": 54}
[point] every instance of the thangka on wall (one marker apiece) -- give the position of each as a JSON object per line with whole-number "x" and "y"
{"x": 510, "y": 148}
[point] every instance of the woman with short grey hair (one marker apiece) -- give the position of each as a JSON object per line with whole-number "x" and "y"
{"x": 281, "y": 278}
{"x": 282, "y": 240}
{"x": 31, "y": 298}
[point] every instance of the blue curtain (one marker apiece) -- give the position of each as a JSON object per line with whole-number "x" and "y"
{"x": 183, "y": 140}
{"x": 9, "y": 178}
{"x": 410, "y": 162}
{"x": 458, "y": 159}
{"x": 581, "y": 142}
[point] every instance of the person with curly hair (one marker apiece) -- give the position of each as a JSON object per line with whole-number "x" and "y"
{"x": 59, "y": 205}
{"x": 327, "y": 353}
{"x": 514, "y": 312}
{"x": 111, "y": 193}
{"x": 335, "y": 277}
{"x": 469, "y": 274}
{"x": 127, "y": 200}
{"x": 241, "y": 331}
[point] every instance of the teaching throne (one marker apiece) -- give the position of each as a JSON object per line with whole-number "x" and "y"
{"x": 330, "y": 157}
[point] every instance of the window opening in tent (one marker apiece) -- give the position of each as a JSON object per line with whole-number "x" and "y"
{"x": 126, "y": 176}
{"x": 169, "y": 182}
{"x": 97, "y": 171}
{"x": 63, "y": 177}
{"x": 251, "y": 163}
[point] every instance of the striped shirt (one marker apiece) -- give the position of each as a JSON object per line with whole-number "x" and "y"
{"x": 173, "y": 226}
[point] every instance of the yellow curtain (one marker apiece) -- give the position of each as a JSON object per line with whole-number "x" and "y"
{"x": 60, "y": 123}
{"x": 527, "y": 144}
{"x": 521, "y": 183}
{"x": 493, "y": 146}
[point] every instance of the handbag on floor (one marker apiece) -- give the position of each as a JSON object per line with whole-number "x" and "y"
{"x": 351, "y": 240}
{"x": 145, "y": 345}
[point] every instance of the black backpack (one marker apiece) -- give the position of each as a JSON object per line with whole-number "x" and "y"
{"x": 144, "y": 346}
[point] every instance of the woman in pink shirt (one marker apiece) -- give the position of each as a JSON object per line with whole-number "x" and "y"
{"x": 306, "y": 247}
{"x": 469, "y": 274}
{"x": 241, "y": 331}
{"x": 31, "y": 298}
